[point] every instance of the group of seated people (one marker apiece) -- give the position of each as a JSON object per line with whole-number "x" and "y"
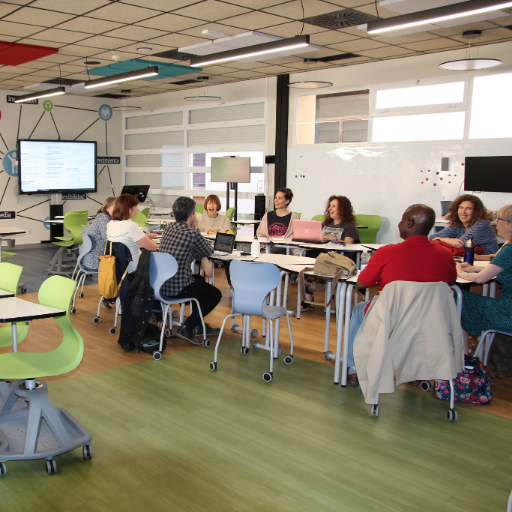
{"x": 416, "y": 259}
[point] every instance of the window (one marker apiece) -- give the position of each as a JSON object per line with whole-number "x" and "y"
{"x": 333, "y": 118}
{"x": 491, "y": 107}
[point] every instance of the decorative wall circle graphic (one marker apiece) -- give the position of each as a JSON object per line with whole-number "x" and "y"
{"x": 46, "y": 224}
{"x": 10, "y": 163}
{"x": 105, "y": 112}
{"x": 47, "y": 105}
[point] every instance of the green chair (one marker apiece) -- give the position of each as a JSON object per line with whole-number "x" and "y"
{"x": 230, "y": 212}
{"x": 298, "y": 214}
{"x": 9, "y": 279}
{"x": 141, "y": 219}
{"x": 59, "y": 432}
{"x": 6, "y": 254}
{"x": 368, "y": 236}
{"x": 199, "y": 208}
{"x": 321, "y": 218}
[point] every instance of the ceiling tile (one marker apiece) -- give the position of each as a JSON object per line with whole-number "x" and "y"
{"x": 9, "y": 39}
{"x": 135, "y": 33}
{"x": 60, "y": 36}
{"x": 352, "y": 4}
{"x": 324, "y": 52}
{"x": 155, "y": 48}
{"x": 274, "y": 70}
{"x": 17, "y": 2}
{"x": 357, "y": 44}
{"x": 79, "y": 51}
{"x": 330, "y": 37}
{"x": 281, "y": 61}
{"x": 38, "y": 42}
{"x": 293, "y": 9}
{"x": 32, "y": 16}
{"x": 107, "y": 43}
{"x": 7, "y": 8}
{"x": 73, "y": 68}
{"x": 506, "y": 20}
{"x": 389, "y": 52}
{"x": 197, "y": 31}
{"x": 292, "y": 29}
{"x": 452, "y": 31}
{"x": 246, "y": 74}
{"x": 242, "y": 65}
{"x": 488, "y": 36}
{"x": 169, "y": 22}
{"x": 176, "y": 40}
{"x": 106, "y": 56}
{"x": 254, "y": 4}
{"x": 123, "y": 13}
{"x": 160, "y": 5}
{"x": 433, "y": 44}
{"x": 210, "y": 10}
{"x": 409, "y": 38}
{"x": 69, "y": 6}
{"x": 90, "y": 25}
{"x": 18, "y": 29}
{"x": 33, "y": 64}
{"x": 217, "y": 70}
{"x": 255, "y": 20}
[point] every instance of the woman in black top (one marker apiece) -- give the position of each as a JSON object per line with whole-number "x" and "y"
{"x": 340, "y": 223}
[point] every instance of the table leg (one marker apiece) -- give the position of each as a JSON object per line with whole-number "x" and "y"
{"x": 340, "y": 308}
{"x": 14, "y": 337}
{"x": 328, "y": 288}
{"x": 348, "y": 303}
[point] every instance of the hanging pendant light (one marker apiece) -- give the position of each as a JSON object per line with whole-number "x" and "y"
{"x": 308, "y": 83}
{"x": 204, "y": 96}
{"x": 468, "y": 64}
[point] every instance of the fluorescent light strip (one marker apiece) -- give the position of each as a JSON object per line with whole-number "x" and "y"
{"x": 43, "y": 94}
{"x": 122, "y": 77}
{"x": 469, "y": 12}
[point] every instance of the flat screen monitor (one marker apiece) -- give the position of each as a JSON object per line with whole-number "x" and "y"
{"x": 231, "y": 170}
{"x": 47, "y": 166}
{"x": 139, "y": 191}
{"x": 488, "y": 174}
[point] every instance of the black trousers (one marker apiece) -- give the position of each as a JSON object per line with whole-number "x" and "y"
{"x": 207, "y": 295}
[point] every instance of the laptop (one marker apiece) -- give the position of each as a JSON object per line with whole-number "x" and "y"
{"x": 309, "y": 231}
{"x": 224, "y": 244}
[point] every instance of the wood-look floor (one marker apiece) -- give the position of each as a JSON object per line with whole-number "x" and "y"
{"x": 102, "y": 351}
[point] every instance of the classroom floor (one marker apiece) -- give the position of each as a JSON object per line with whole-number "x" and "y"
{"x": 172, "y": 435}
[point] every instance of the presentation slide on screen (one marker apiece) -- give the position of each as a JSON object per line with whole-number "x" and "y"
{"x": 57, "y": 165}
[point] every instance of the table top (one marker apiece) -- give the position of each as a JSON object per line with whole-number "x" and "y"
{"x": 152, "y": 220}
{"x": 19, "y": 310}
{"x": 374, "y": 247}
{"x": 245, "y": 222}
{"x": 11, "y": 231}
{"x": 4, "y": 294}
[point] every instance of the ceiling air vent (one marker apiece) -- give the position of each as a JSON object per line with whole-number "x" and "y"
{"x": 341, "y": 19}
{"x": 174, "y": 55}
{"x": 62, "y": 81}
{"x": 111, "y": 95}
{"x": 185, "y": 82}
{"x": 332, "y": 58}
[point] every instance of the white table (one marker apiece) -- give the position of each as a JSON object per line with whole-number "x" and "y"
{"x": 9, "y": 231}
{"x": 245, "y": 222}
{"x": 374, "y": 247}
{"x": 4, "y": 294}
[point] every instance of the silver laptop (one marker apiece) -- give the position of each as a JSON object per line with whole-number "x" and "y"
{"x": 224, "y": 244}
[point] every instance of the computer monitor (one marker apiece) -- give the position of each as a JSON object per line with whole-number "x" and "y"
{"x": 139, "y": 191}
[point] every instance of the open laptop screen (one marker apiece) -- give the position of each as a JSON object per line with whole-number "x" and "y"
{"x": 224, "y": 242}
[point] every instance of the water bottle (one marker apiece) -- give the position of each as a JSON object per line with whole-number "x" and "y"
{"x": 365, "y": 258}
{"x": 255, "y": 248}
{"x": 469, "y": 250}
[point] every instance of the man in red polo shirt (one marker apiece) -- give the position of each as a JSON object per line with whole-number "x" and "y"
{"x": 416, "y": 259}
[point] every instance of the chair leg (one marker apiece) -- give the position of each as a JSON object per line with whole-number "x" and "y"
{"x": 452, "y": 413}
{"x": 290, "y": 331}
{"x": 375, "y": 407}
{"x": 215, "y": 354}
{"x": 165, "y": 313}
{"x": 267, "y": 377}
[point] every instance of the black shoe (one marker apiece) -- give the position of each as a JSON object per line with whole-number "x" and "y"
{"x": 210, "y": 331}
{"x": 185, "y": 333}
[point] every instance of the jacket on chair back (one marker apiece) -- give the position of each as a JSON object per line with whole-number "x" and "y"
{"x": 412, "y": 328}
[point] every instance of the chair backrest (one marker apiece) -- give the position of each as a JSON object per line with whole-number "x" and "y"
{"x": 252, "y": 282}
{"x": 10, "y": 277}
{"x": 162, "y": 267}
{"x": 199, "y": 208}
{"x": 368, "y": 236}
{"x": 321, "y": 218}
{"x": 230, "y": 212}
{"x": 73, "y": 221}
{"x": 145, "y": 212}
{"x": 298, "y": 214}
{"x": 85, "y": 248}
{"x": 57, "y": 292}
{"x": 140, "y": 219}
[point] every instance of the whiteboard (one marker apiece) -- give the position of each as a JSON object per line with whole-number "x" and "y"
{"x": 384, "y": 179}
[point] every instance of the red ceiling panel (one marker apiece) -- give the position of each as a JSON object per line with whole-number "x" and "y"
{"x": 14, "y": 54}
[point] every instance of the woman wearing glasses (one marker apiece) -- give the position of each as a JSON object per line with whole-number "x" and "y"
{"x": 480, "y": 313}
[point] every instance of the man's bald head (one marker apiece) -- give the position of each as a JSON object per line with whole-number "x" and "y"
{"x": 418, "y": 219}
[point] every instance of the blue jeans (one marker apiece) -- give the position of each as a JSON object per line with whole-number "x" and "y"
{"x": 356, "y": 319}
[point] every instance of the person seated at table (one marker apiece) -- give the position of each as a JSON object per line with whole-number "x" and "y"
{"x": 467, "y": 218}
{"x": 416, "y": 259}
{"x": 480, "y": 313}
{"x": 340, "y": 223}
{"x": 211, "y": 221}
{"x": 98, "y": 234}
{"x": 278, "y": 223}
{"x": 122, "y": 229}
{"x": 182, "y": 241}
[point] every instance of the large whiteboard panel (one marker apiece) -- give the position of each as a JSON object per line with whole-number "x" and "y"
{"x": 385, "y": 179}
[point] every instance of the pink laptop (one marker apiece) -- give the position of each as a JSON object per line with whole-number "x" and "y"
{"x": 307, "y": 231}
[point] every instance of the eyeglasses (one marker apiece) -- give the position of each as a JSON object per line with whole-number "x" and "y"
{"x": 504, "y": 220}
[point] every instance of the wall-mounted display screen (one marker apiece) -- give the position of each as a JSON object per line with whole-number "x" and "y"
{"x": 488, "y": 174}
{"x": 57, "y": 166}
{"x": 231, "y": 169}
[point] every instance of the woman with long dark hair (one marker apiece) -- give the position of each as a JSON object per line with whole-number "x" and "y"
{"x": 340, "y": 223}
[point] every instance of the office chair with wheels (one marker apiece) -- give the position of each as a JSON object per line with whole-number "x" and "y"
{"x": 368, "y": 236}
{"x": 9, "y": 279}
{"x": 82, "y": 272}
{"x": 321, "y": 218}
{"x": 48, "y": 431}
{"x": 162, "y": 267}
{"x": 199, "y": 208}
{"x": 252, "y": 282}
{"x": 230, "y": 213}
{"x": 299, "y": 215}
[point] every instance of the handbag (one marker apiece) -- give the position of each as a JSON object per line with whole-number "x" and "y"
{"x": 328, "y": 264}
{"x": 471, "y": 386}
{"x": 457, "y": 251}
{"x": 107, "y": 280}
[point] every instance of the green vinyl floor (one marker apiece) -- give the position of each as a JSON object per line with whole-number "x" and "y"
{"x": 171, "y": 435}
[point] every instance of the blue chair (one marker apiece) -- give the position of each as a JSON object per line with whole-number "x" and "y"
{"x": 162, "y": 267}
{"x": 252, "y": 282}
{"x": 81, "y": 272}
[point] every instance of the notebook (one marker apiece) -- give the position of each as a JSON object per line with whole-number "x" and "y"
{"x": 308, "y": 231}
{"x": 224, "y": 244}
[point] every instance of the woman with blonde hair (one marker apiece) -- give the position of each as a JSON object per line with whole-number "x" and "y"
{"x": 480, "y": 313}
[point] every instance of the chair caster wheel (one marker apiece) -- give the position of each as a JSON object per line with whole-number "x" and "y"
{"x": 279, "y": 351}
{"x": 168, "y": 333}
{"x": 267, "y": 377}
{"x": 328, "y": 355}
{"x": 452, "y": 415}
{"x": 254, "y": 333}
{"x": 3, "y": 469}
{"x": 244, "y": 350}
{"x": 23, "y": 290}
{"x": 96, "y": 320}
{"x": 294, "y": 313}
{"x": 112, "y": 330}
{"x": 213, "y": 366}
{"x": 87, "y": 451}
{"x": 375, "y": 410}
{"x": 235, "y": 328}
{"x": 175, "y": 313}
{"x": 288, "y": 359}
{"x": 255, "y": 346}
{"x": 157, "y": 356}
{"x": 81, "y": 295}
{"x": 50, "y": 274}
{"x": 73, "y": 311}
{"x": 206, "y": 343}
{"x": 426, "y": 385}
{"x": 51, "y": 467}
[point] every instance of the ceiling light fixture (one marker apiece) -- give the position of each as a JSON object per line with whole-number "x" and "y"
{"x": 204, "y": 96}
{"x": 144, "y": 49}
{"x": 42, "y": 94}
{"x": 308, "y": 83}
{"x": 439, "y": 14}
{"x": 122, "y": 77}
{"x": 125, "y": 108}
{"x": 468, "y": 64}
{"x": 251, "y": 51}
